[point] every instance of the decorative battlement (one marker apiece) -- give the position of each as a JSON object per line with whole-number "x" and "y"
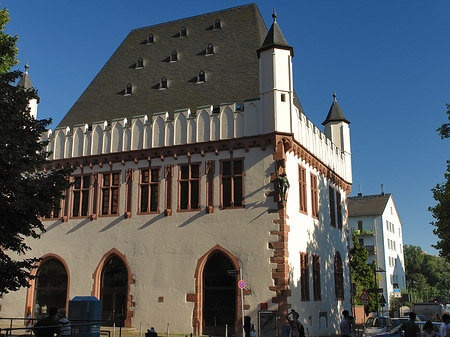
{"x": 188, "y": 127}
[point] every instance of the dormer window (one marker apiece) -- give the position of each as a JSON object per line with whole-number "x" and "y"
{"x": 174, "y": 56}
{"x": 217, "y": 24}
{"x": 163, "y": 83}
{"x": 210, "y": 49}
{"x": 183, "y": 32}
{"x": 150, "y": 39}
{"x": 201, "y": 77}
{"x": 140, "y": 63}
{"x": 128, "y": 89}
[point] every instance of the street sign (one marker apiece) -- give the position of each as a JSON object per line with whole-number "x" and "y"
{"x": 365, "y": 298}
{"x": 382, "y": 300}
{"x": 241, "y": 284}
{"x": 376, "y": 290}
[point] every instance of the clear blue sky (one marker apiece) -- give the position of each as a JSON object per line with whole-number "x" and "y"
{"x": 388, "y": 60}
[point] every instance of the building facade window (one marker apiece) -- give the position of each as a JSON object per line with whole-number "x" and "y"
{"x": 80, "y": 196}
{"x": 360, "y": 225}
{"x": 316, "y": 277}
{"x": 149, "y": 190}
{"x": 201, "y": 77}
{"x": 210, "y": 49}
{"x": 232, "y": 183}
{"x": 210, "y": 170}
{"x": 174, "y": 56}
{"x": 332, "y": 206}
{"x": 163, "y": 83}
{"x": 339, "y": 209}
{"x": 314, "y": 197}
{"x": 338, "y": 277}
{"x": 304, "y": 276}
{"x": 110, "y": 193}
{"x": 183, "y": 32}
{"x": 128, "y": 89}
{"x": 189, "y": 187}
{"x": 150, "y": 39}
{"x": 217, "y": 24}
{"x": 302, "y": 189}
{"x": 168, "y": 175}
{"x": 140, "y": 63}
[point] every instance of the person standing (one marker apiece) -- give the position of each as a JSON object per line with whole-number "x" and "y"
{"x": 410, "y": 328}
{"x": 345, "y": 325}
{"x": 48, "y": 326}
{"x": 427, "y": 330}
{"x": 445, "y": 329}
{"x": 297, "y": 329}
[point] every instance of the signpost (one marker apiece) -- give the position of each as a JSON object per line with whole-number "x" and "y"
{"x": 365, "y": 298}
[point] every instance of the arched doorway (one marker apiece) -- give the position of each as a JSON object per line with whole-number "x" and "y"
{"x": 51, "y": 287}
{"x": 219, "y": 294}
{"x": 114, "y": 290}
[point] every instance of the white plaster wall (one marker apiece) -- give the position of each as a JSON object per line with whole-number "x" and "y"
{"x": 162, "y": 252}
{"x": 316, "y": 236}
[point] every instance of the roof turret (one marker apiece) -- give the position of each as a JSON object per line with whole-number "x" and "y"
{"x": 335, "y": 114}
{"x": 275, "y": 38}
{"x": 25, "y": 80}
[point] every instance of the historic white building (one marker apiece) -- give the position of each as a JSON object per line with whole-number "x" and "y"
{"x": 377, "y": 225}
{"x": 183, "y": 148}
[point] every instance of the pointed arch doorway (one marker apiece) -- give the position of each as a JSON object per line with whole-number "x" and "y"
{"x": 219, "y": 296}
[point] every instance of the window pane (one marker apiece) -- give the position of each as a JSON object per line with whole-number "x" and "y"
{"x": 155, "y": 175}
{"x": 238, "y": 191}
{"x": 77, "y": 183}
{"x": 144, "y": 176}
{"x": 116, "y": 179}
{"x": 184, "y": 196}
{"x": 144, "y": 198}
{"x": 226, "y": 192}
{"x": 226, "y": 167}
{"x": 106, "y": 179}
{"x": 154, "y": 198}
{"x": 76, "y": 203}
{"x": 115, "y": 201}
{"x": 237, "y": 166}
{"x": 194, "y": 195}
{"x": 184, "y": 172}
{"x": 105, "y": 201}
{"x": 195, "y": 171}
{"x": 86, "y": 181}
{"x": 85, "y": 203}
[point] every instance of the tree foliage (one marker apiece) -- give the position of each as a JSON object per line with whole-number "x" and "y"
{"x": 441, "y": 193}
{"x": 362, "y": 273}
{"x": 428, "y": 276}
{"x": 27, "y": 191}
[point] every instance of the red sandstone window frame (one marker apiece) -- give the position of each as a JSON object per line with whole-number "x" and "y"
{"x": 332, "y": 206}
{"x": 58, "y": 214}
{"x": 234, "y": 182}
{"x": 316, "y": 277}
{"x": 147, "y": 186}
{"x": 314, "y": 197}
{"x": 188, "y": 182}
{"x": 304, "y": 276}
{"x": 339, "y": 209}
{"x": 210, "y": 170}
{"x": 83, "y": 192}
{"x": 338, "y": 277}
{"x": 110, "y": 189}
{"x": 303, "y": 198}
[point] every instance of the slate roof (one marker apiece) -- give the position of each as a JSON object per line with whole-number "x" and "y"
{"x": 275, "y": 38}
{"x": 335, "y": 114}
{"x": 25, "y": 80}
{"x": 232, "y": 72}
{"x": 367, "y": 205}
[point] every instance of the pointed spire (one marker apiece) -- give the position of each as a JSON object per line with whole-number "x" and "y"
{"x": 275, "y": 38}
{"x": 335, "y": 114}
{"x": 25, "y": 80}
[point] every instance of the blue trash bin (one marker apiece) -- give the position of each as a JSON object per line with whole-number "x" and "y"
{"x": 84, "y": 316}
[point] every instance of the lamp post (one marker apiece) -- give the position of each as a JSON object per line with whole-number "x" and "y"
{"x": 375, "y": 271}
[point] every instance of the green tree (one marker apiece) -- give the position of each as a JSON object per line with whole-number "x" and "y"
{"x": 362, "y": 274}
{"x": 441, "y": 193}
{"x": 28, "y": 191}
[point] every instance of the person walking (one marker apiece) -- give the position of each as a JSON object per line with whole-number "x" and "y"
{"x": 297, "y": 329}
{"x": 345, "y": 326}
{"x": 410, "y": 328}
{"x": 47, "y": 326}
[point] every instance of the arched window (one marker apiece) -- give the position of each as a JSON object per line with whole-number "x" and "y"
{"x": 183, "y": 32}
{"x": 201, "y": 77}
{"x": 163, "y": 83}
{"x": 217, "y": 24}
{"x": 338, "y": 277}
{"x": 51, "y": 287}
{"x": 210, "y": 49}
{"x": 174, "y": 56}
{"x": 150, "y": 39}
{"x": 140, "y": 63}
{"x": 128, "y": 89}
{"x": 114, "y": 290}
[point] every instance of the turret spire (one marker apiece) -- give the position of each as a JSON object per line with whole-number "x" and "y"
{"x": 275, "y": 38}
{"x": 274, "y": 15}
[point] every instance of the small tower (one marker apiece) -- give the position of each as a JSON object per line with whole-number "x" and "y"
{"x": 275, "y": 81}
{"x": 336, "y": 127}
{"x": 25, "y": 82}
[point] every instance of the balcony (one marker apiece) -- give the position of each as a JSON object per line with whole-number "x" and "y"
{"x": 372, "y": 250}
{"x": 369, "y": 231}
